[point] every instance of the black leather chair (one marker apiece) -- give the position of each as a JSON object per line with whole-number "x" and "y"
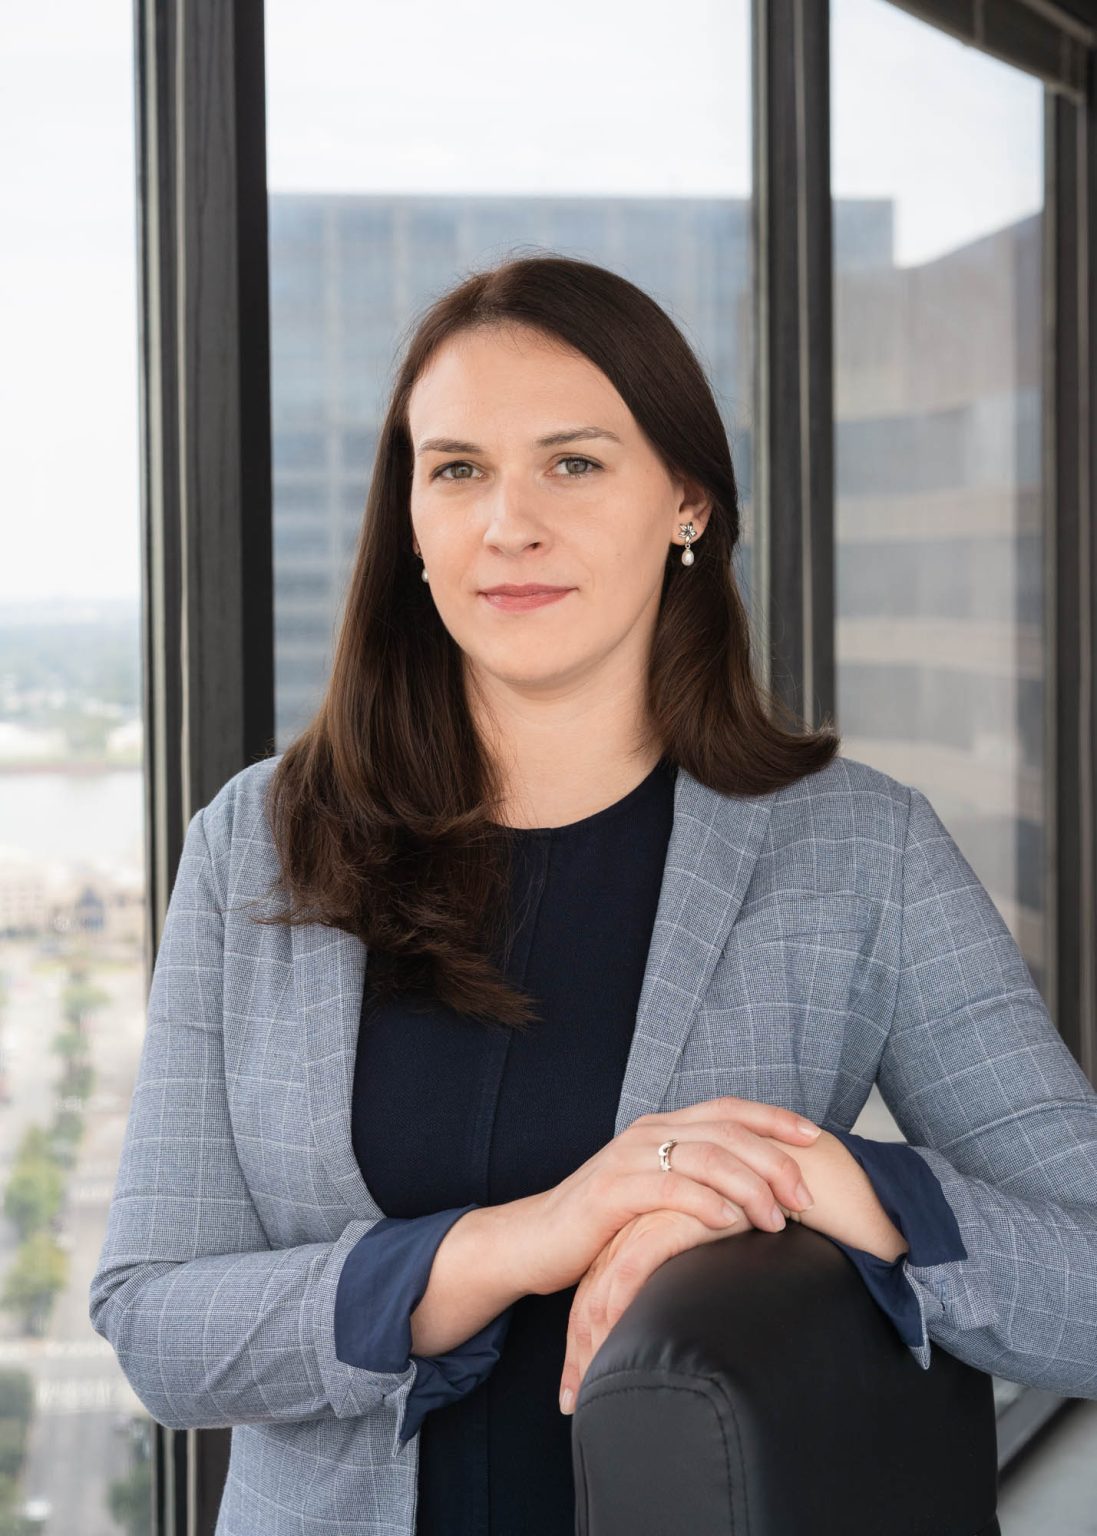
{"x": 754, "y": 1387}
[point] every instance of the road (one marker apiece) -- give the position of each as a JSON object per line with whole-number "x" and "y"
{"x": 84, "y": 1407}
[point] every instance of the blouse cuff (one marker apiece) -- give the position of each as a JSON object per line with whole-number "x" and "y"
{"x": 912, "y": 1196}
{"x": 383, "y": 1279}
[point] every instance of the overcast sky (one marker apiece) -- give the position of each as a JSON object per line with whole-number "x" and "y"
{"x": 627, "y": 97}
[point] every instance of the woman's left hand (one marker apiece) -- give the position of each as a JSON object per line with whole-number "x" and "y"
{"x": 612, "y": 1282}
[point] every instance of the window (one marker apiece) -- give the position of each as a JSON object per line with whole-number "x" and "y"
{"x": 73, "y": 980}
{"x": 381, "y": 198}
{"x": 942, "y": 646}
{"x": 942, "y": 649}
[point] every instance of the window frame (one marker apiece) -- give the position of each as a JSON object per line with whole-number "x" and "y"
{"x": 794, "y": 570}
{"x": 206, "y": 505}
{"x": 207, "y": 576}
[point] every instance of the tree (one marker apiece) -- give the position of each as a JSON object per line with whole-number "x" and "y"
{"x": 130, "y": 1499}
{"x": 34, "y": 1194}
{"x": 38, "y": 1271}
{"x": 79, "y": 998}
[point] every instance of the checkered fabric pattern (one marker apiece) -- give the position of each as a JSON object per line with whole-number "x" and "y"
{"x": 808, "y": 944}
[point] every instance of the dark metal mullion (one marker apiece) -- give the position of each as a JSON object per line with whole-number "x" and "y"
{"x": 223, "y": 362}
{"x": 1087, "y": 638}
{"x": 817, "y": 371}
{"x": 794, "y": 548}
{"x": 1044, "y": 39}
{"x": 160, "y": 682}
{"x": 1058, "y": 615}
{"x": 1063, "y": 828}
{"x": 1071, "y": 827}
{"x": 159, "y": 450}
{"x": 207, "y": 576}
{"x": 253, "y": 304}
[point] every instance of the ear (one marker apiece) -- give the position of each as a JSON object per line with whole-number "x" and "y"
{"x": 694, "y": 506}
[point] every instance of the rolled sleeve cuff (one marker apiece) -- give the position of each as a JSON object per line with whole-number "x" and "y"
{"x": 383, "y": 1279}
{"x": 912, "y": 1196}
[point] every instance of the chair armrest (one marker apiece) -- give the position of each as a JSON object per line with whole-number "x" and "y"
{"x": 755, "y": 1387}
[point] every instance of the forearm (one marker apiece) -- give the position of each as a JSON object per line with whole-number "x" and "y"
{"x": 846, "y": 1204}
{"x": 185, "y": 1332}
{"x": 476, "y": 1274}
{"x": 472, "y": 1279}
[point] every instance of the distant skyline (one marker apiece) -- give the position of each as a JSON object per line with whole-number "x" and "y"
{"x": 604, "y": 100}
{"x": 67, "y": 608}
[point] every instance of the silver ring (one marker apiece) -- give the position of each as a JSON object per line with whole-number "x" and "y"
{"x": 664, "y": 1154}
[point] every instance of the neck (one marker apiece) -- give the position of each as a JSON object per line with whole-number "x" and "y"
{"x": 563, "y": 758}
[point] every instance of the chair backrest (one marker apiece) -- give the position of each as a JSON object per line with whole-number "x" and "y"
{"x": 754, "y": 1386}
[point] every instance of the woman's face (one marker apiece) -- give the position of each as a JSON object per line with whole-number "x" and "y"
{"x": 492, "y": 503}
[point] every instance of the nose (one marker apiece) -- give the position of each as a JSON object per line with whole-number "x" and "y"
{"x": 512, "y": 524}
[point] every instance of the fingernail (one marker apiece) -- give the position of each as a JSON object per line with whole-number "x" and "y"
{"x": 567, "y": 1399}
{"x": 778, "y": 1216}
{"x": 807, "y": 1128}
{"x": 803, "y": 1196}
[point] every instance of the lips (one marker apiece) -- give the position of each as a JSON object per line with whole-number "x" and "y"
{"x": 521, "y": 600}
{"x": 532, "y": 589}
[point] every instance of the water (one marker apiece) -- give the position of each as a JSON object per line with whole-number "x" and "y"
{"x": 74, "y": 818}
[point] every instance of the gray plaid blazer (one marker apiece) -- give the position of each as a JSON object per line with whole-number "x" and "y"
{"x": 807, "y": 944}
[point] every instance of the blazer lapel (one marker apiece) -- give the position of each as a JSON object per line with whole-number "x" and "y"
{"x": 329, "y": 974}
{"x": 714, "y": 844}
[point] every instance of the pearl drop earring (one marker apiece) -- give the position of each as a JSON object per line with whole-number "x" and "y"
{"x": 423, "y": 573}
{"x": 688, "y": 532}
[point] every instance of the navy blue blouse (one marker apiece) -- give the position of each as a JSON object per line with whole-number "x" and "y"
{"x": 450, "y": 1113}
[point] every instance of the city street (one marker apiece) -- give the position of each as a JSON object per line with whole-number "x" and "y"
{"x": 80, "y": 1435}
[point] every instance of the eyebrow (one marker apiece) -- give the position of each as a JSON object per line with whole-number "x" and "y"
{"x": 551, "y": 440}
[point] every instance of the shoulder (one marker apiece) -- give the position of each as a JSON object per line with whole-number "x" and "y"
{"x": 840, "y": 831}
{"x": 236, "y": 813}
{"x": 847, "y": 798}
{"x": 852, "y": 800}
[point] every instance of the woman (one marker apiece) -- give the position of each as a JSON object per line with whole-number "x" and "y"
{"x": 625, "y": 929}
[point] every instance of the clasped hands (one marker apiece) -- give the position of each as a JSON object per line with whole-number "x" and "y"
{"x": 737, "y": 1145}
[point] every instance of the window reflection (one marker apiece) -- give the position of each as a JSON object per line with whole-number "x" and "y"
{"x": 941, "y": 640}
{"x": 74, "y": 1440}
{"x": 942, "y": 647}
{"x": 379, "y": 200}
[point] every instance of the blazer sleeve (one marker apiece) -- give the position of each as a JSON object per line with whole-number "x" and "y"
{"x": 989, "y": 1096}
{"x": 382, "y": 1282}
{"x": 211, "y": 1326}
{"x": 914, "y": 1200}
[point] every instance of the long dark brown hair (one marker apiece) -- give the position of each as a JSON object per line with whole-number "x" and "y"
{"x": 380, "y": 808}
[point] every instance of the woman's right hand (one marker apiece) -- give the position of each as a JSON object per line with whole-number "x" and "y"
{"x": 721, "y": 1155}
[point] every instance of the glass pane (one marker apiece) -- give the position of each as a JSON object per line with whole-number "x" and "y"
{"x": 74, "y": 1440}
{"x": 942, "y": 648}
{"x": 629, "y": 147}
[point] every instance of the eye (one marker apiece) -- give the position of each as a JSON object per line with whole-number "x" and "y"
{"x": 574, "y": 458}
{"x": 579, "y": 459}
{"x": 455, "y": 464}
